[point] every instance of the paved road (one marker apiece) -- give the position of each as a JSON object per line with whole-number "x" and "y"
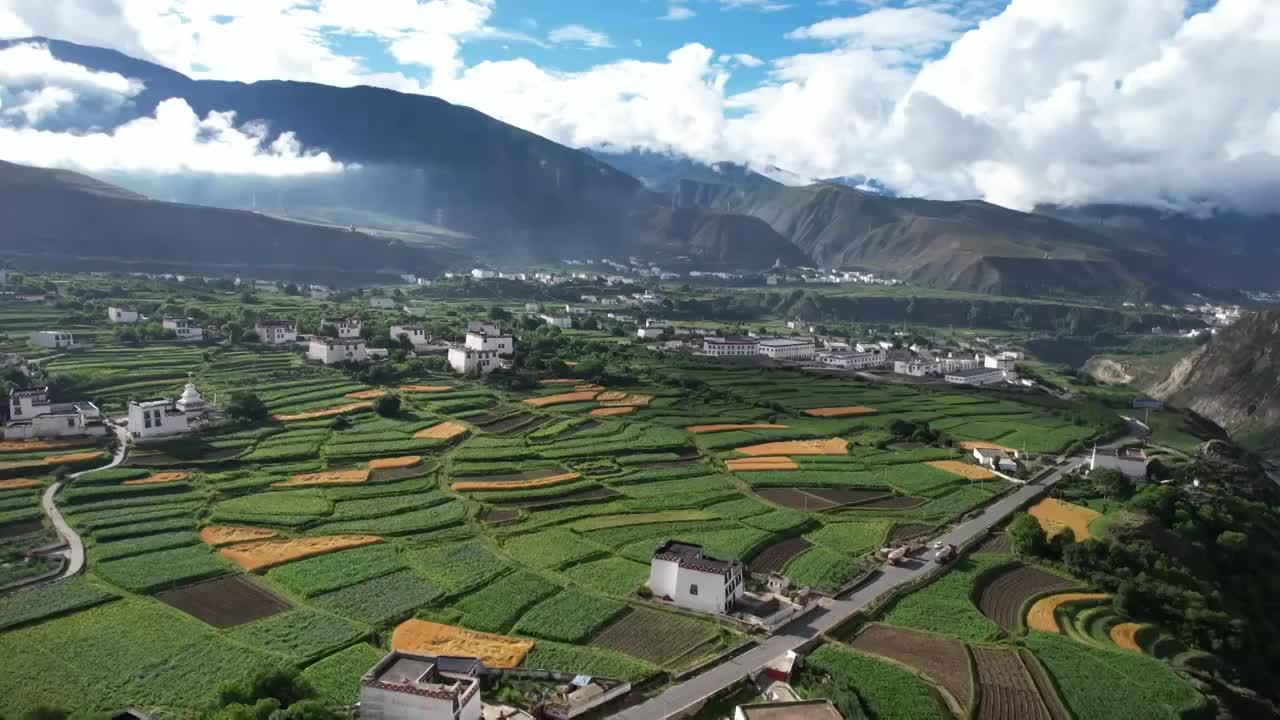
{"x": 695, "y": 690}
{"x": 75, "y": 547}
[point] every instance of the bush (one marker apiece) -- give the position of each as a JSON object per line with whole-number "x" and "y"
{"x": 247, "y": 407}
{"x": 1026, "y": 535}
{"x": 388, "y": 406}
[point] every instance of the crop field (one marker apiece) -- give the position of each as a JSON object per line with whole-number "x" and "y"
{"x": 485, "y": 509}
{"x": 1006, "y": 688}
{"x": 943, "y": 606}
{"x": 944, "y": 660}
{"x": 1004, "y": 593}
{"x": 1055, "y": 515}
{"x": 1042, "y": 616}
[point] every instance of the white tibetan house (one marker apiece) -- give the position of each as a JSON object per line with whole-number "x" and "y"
{"x": 331, "y": 351}
{"x": 681, "y": 574}
{"x": 164, "y": 417}
{"x": 31, "y": 415}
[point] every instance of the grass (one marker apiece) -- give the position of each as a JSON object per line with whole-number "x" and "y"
{"x": 611, "y": 575}
{"x": 382, "y": 600}
{"x": 944, "y": 605}
{"x": 334, "y": 571}
{"x": 160, "y": 570}
{"x": 822, "y": 569}
{"x": 547, "y": 655}
{"x": 549, "y": 548}
{"x": 457, "y": 568}
{"x": 886, "y": 692}
{"x": 300, "y": 635}
{"x": 851, "y": 538}
{"x": 497, "y": 607}
{"x": 569, "y": 616}
{"x": 46, "y": 601}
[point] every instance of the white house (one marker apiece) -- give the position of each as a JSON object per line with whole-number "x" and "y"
{"x": 917, "y": 368}
{"x": 786, "y": 348}
{"x": 470, "y": 361}
{"x": 55, "y": 339}
{"x": 648, "y": 333}
{"x": 657, "y": 323}
{"x": 123, "y": 315}
{"x": 266, "y": 286}
{"x": 31, "y": 415}
{"x": 406, "y": 686}
{"x": 348, "y": 328}
{"x": 729, "y": 346}
{"x": 1130, "y": 461}
{"x": 184, "y": 328}
{"x": 559, "y": 321}
{"x": 975, "y": 376}
{"x": 849, "y": 360}
{"x": 417, "y": 335}
{"x": 414, "y": 310}
{"x": 166, "y": 417}
{"x": 503, "y": 345}
{"x": 479, "y": 274}
{"x": 483, "y": 327}
{"x": 337, "y": 350}
{"x": 382, "y": 303}
{"x": 276, "y": 332}
{"x": 681, "y": 573}
{"x": 996, "y": 459}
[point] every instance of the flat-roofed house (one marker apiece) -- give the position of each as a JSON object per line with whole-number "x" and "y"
{"x": 276, "y": 332}
{"x": 337, "y": 350}
{"x": 347, "y": 328}
{"x": 164, "y": 417}
{"x": 1130, "y": 461}
{"x": 731, "y": 346}
{"x": 975, "y": 376}
{"x": 123, "y": 315}
{"x": 184, "y": 328}
{"x": 682, "y": 574}
{"x": 797, "y": 710}
{"x": 405, "y": 686}
{"x": 32, "y": 415}
{"x": 786, "y": 348}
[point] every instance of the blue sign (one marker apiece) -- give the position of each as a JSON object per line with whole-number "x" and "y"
{"x": 1148, "y": 404}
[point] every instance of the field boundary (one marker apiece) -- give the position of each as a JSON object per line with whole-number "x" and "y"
{"x": 720, "y": 659}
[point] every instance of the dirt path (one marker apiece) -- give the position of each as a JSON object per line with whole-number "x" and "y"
{"x": 75, "y": 546}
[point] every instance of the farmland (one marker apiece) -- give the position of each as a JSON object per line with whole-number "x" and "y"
{"x": 480, "y": 518}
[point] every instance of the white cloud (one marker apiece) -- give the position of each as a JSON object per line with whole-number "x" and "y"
{"x": 174, "y": 140}
{"x": 761, "y": 5}
{"x": 678, "y": 12}
{"x": 579, "y": 35}
{"x": 35, "y": 87}
{"x": 907, "y": 27}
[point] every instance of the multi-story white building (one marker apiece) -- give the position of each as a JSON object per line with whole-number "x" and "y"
{"x": 123, "y": 315}
{"x": 347, "y": 328}
{"x": 682, "y": 574}
{"x": 657, "y": 323}
{"x": 1132, "y": 462}
{"x": 504, "y": 345}
{"x": 480, "y": 274}
{"x": 917, "y": 368}
{"x": 649, "y": 333}
{"x": 417, "y": 334}
{"x": 337, "y": 350}
{"x": 405, "y": 686}
{"x": 975, "y": 376}
{"x": 559, "y": 321}
{"x": 184, "y": 328}
{"x": 468, "y": 361}
{"x": 165, "y": 417}
{"x": 729, "y": 346}
{"x": 850, "y": 360}
{"x": 31, "y": 415}
{"x": 55, "y": 339}
{"x": 276, "y": 332}
{"x": 786, "y": 348}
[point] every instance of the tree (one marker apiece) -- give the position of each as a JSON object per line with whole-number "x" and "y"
{"x": 1114, "y": 483}
{"x": 387, "y": 406}
{"x": 1026, "y": 535}
{"x": 247, "y": 407}
{"x": 233, "y": 330}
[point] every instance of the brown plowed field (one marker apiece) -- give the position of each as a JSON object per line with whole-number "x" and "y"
{"x": 897, "y": 502}
{"x": 19, "y": 483}
{"x": 1002, "y": 598}
{"x": 224, "y": 602}
{"x": 158, "y": 479}
{"x": 513, "y": 477}
{"x": 657, "y": 637}
{"x": 906, "y": 531}
{"x": 328, "y": 477}
{"x": 366, "y": 394}
{"x": 31, "y": 445}
{"x": 776, "y": 556}
{"x": 516, "y": 484}
{"x": 963, "y": 469}
{"x": 980, "y": 445}
{"x": 830, "y": 446}
{"x": 394, "y": 462}
{"x": 1125, "y": 635}
{"x": 269, "y": 553}
{"x": 216, "y": 535}
{"x": 611, "y": 411}
{"x": 561, "y": 399}
{"x": 327, "y": 412}
{"x": 443, "y": 431}
{"x": 72, "y": 457}
{"x": 425, "y": 388}
{"x": 942, "y": 659}
{"x": 996, "y": 543}
{"x": 1007, "y": 691}
{"x": 761, "y": 463}
{"x": 560, "y": 381}
{"x": 1044, "y": 686}
{"x": 1043, "y": 615}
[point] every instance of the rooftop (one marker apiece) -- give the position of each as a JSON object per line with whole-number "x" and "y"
{"x": 732, "y": 339}
{"x": 786, "y": 342}
{"x": 422, "y": 674}
{"x": 690, "y": 556}
{"x": 803, "y": 710}
{"x": 974, "y": 372}
{"x": 275, "y": 323}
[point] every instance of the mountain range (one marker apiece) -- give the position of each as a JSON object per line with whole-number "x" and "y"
{"x": 447, "y": 184}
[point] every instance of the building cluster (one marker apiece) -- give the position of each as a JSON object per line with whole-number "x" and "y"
{"x": 33, "y": 415}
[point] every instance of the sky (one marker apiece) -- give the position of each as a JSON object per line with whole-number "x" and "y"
{"x": 1170, "y": 103}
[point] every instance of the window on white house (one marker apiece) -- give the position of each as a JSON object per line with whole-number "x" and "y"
{"x": 693, "y": 589}
{"x": 71, "y": 422}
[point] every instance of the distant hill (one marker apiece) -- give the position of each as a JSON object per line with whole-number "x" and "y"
{"x": 62, "y": 219}
{"x": 1234, "y": 379}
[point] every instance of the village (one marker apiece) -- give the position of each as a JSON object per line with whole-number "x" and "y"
{"x": 436, "y": 512}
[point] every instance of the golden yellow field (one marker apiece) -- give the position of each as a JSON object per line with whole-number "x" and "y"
{"x": 269, "y": 553}
{"x": 699, "y": 429}
{"x": 762, "y": 463}
{"x": 17, "y": 483}
{"x": 329, "y": 477}
{"x": 1054, "y": 515}
{"x": 616, "y": 398}
{"x": 443, "y": 431}
{"x": 158, "y": 478}
{"x": 845, "y": 411}
{"x": 25, "y": 445}
{"x": 561, "y": 399}
{"x": 609, "y": 411}
{"x": 516, "y": 484}
{"x": 228, "y": 534}
{"x": 425, "y": 388}
{"x": 830, "y": 446}
{"x": 559, "y": 381}
{"x": 429, "y": 638}
{"x": 1041, "y": 615}
{"x": 72, "y": 457}
{"x": 588, "y": 387}
{"x": 963, "y": 469}
{"x": 981, "y": 445}
{"x": 394, "y": 462}
{"x": 327, "y": 412}
{"x": 366, "y": 394}
{"x": 1124, "y": 636}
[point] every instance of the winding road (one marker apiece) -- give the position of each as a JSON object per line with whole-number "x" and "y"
{"x": 75, "y": 546}
{"x": 693, "y": 692}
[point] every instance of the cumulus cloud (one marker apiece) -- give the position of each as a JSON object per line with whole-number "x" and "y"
{"x": 908, "y": 27}
{"x": 174, "y": 140}
{"x": 579, "y": 35}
